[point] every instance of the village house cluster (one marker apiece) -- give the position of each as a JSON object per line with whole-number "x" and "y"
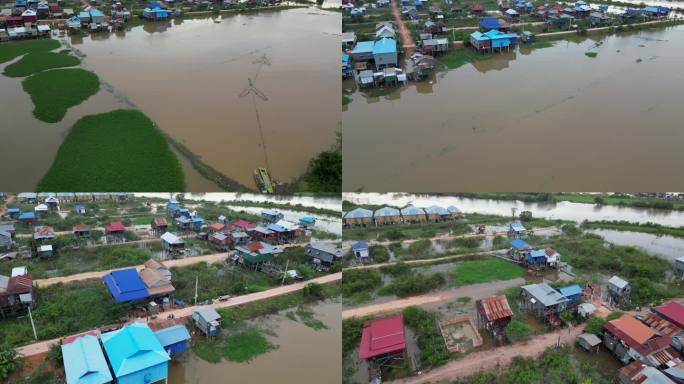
{"x": 361, "y": 217}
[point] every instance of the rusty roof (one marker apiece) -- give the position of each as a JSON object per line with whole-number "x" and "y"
{"x": 19, "y": 284}
{"x": 160, "y": 222}
{"x": 663, "y": 326}
{"x": 81, "y": 227}
{"x": 495, "y": 307}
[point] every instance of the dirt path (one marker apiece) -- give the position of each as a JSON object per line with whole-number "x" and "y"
{"x": 406, "y": 38}
{"x": 213, "y": 258}
{"x": 475, "y": 292}
{"x": 43, "y": 347}
{"x": 493, "y": 359}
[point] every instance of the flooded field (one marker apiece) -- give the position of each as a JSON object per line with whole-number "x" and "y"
{"x": 565, "y": 120}
{"x": 187, "y": 76}
{"x": 297, "y": 358}
{"x": 667, "y": 247}
{"x": 561, "y": 210}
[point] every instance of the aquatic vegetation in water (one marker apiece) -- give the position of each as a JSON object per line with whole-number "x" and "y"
{"x": 54, "y": 92}
{"x": 12, "y": 50}
{"x": 245, "y": 346}
{"x": 40, "y": 61}
{"x": 591, "y": 54}
{"x": 120, "y": 150}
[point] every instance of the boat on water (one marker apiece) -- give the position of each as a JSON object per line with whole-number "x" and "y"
{"x": 263, "y": 180}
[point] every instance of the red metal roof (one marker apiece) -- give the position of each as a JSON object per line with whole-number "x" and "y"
{"x": 495, "y": 308}
{"x": 672, "y": 311}
{"x": 244, "y": 224}
{"x": 115, "y": 226}
{"x": 630, "y": 330}
{"x": 382, "y": 336}
{"x": 160, "y": 222}
{"x": 654, "y": 345}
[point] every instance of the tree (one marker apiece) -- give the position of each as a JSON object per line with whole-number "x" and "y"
{"x": 9, "y": 362}
{"x": 526, "y": 216}
{"x": 595, "y": 325}
{"x": 599, "y": 200}
{"x": 325, "y": 172}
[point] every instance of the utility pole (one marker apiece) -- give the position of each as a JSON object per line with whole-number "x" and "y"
{"x": 35, "y": 335}
{"x": 196, "y": 283}
{"x": 285, "y": 273}
{"x": 513, "y": 210}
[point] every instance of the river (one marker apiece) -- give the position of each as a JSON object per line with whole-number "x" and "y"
{"x": 563, "y": 210}
{"x": 303, "y": 355}
{"x": 544, "y": 120}
{"x": 187, "y": 75}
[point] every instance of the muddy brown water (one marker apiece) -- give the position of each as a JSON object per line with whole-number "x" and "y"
{"x": 549, "y": 119}
{"x": 187, "y": 75}
{"x": 563, "y": 210}
{"x": 303, "y": 355}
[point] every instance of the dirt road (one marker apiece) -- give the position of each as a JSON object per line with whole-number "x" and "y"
{"x": 406, "y": 38}
{"x": 43, "y": 347}
{"x": 475, "y": 292}
{"x": 493, "y": 359}
{"x": 213, "y": 258}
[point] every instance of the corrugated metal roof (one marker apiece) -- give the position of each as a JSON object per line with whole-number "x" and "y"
{"x": 382, "y": 336}
{"x": 359, "y": 213}
{"x": 385, "y": 45}
{"x": 84, "y": 361}
{"x": 133, "y": 348}
{"x": 386, "y": 211}
{"x": 495, "y": 307}
{"x": 411, "y": 210}
{"x": 545, "y": 294}
{"x": 172, "y": 335}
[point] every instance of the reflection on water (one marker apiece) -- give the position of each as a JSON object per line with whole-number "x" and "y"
{"x": 668, "y": 247}
{"x": 186, "y": 75}
{"x": 563, "y": 210}
{"x": 550, "y": 120}
{"x": 303, "y": 356}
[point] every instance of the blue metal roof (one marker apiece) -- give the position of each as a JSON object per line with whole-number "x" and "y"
{"x": 385, "y": 45}
{"x": 27, "y": 215}
{"x": 96, "y": 13}
{"x": 489, "y": 23}
{"x": 358, "y": 213}
{"x": 516, "y": 225}
{"x": 520, "y": 244}
{"x": 276, "y": 228}
{"x": 307, "y": 219}
{"x": 536, "y": 254}
{"x": 271, "y": 212}
{"x": 411, "y": 210}
{"x": 172, "y": 335}
{"x": 125, "y": 285}
{"x": 360, "y": 245}
{"x": 133, "y": 348}
{"x": 386, "y": 211}
{"x": 13, "y": 210}
{"x": 479, "y": 36}
{"x": 436, "y": 210}
{"x": 84, "y": 362}
{"x": 571, "y": 290}
{"x": 363, "y": 47}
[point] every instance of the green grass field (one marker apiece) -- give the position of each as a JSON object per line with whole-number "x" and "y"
{"x": 120, "y": 150}
{"x": 40, "y": 61}
{"x": 458, "y": 57}
{"x": 12, "y": 50}
{"x": 54, "y": 92}
{"x": 484, "y": 270}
